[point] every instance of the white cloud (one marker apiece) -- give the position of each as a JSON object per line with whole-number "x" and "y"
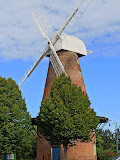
{"x": 20, "y": 38}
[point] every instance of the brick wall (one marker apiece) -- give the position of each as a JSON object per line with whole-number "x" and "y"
{"x": 72, "y": 67}
{"x": 82, "y": 151}
{"x": 43, "y": 148}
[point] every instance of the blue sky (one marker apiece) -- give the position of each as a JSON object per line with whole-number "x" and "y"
{"x": 99, "y": 27}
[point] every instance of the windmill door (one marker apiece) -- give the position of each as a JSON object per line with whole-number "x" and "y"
{"x": 56, "y": 153}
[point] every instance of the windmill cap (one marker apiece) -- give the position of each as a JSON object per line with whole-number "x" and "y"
{"x": 70, "y": 43}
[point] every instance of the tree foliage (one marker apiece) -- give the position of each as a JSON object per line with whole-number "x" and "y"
{"x": 105, "y": 144}
{"x": 15, "y": 121}
{"x": 66, "y": 114}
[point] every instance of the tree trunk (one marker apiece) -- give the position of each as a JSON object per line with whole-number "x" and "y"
{"x": 65, "y": 152}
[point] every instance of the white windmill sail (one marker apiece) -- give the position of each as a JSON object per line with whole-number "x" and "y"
{"x": 31, "y": 69}
{"x": 46, "y": 30}
{"x": 42, "y": 23}
{"x": 56, "y": 63}
{"x": 74, "y": 17}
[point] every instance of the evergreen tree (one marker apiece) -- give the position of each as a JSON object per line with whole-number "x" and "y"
{"x": 15, "y": 121}
{"x": 66, "y": 115}
{"x": 105, "y": 144}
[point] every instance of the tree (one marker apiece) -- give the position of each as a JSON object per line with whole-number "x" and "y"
{"x": 99, "y": 147}
{"x": 109, "y": 139}
{"x": 15, "y": 121}
{"x": 105, "y": 144}
{"x": 66, "y": 115}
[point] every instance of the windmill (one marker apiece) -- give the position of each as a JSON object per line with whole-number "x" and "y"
{"x": 46, "y": 30}
{"x": 64, "y": 51}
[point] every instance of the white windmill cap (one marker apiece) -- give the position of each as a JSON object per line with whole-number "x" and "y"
{"x": 70, "y": 43}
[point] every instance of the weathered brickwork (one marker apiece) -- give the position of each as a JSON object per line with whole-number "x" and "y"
{"x": 81, "y": 151}
{"x": 72, "y": 67}
{"x": 43, "y": 148}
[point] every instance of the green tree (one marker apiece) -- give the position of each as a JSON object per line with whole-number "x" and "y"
{"x": 99, "y": 147}
{"x": 15, "y": 121}
{"x": 33, "y": 153}
{"x": 105, "y": 144}
{"x": 109, "y": 139}
{"x": 66, "y": 115}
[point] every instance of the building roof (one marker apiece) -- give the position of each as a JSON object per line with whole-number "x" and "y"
{"x": 70, "y": 43}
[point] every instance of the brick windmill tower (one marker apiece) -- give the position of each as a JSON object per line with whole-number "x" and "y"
{"x": 63, "y": 51}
